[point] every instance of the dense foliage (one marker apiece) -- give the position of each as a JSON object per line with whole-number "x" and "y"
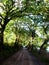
{"x": 25, "y": 22}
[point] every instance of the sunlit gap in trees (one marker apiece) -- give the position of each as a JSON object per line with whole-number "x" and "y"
{"x": 25, "y": 27}
{"x": 47, "y": 49}
{"x": 43, "y": 0}
{"x": 18, "y": 3}
{"x": 1, "y": 8}
{"x": 39, "y": 34}
{"x": 22, "y": 25}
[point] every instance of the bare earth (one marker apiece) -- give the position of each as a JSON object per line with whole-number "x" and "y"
{"x": 22, "y": 57}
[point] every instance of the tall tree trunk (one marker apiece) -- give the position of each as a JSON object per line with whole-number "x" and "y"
{"x": 1, "y": 40}
{"x": 2, "y": 28}
{"x": 1, "y": 37}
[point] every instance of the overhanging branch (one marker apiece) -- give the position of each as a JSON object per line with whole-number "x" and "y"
{"x": 1, "y": 16}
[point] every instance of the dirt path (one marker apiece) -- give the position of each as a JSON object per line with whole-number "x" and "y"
{"x": 22, "y": 58}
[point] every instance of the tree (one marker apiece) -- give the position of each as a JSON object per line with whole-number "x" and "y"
{"x": 9, "y": 12}
{"x": 12, "y": 11}
{"x": 45, "y": 27}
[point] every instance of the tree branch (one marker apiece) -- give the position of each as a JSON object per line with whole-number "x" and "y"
{"x": 1, "y": 16}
